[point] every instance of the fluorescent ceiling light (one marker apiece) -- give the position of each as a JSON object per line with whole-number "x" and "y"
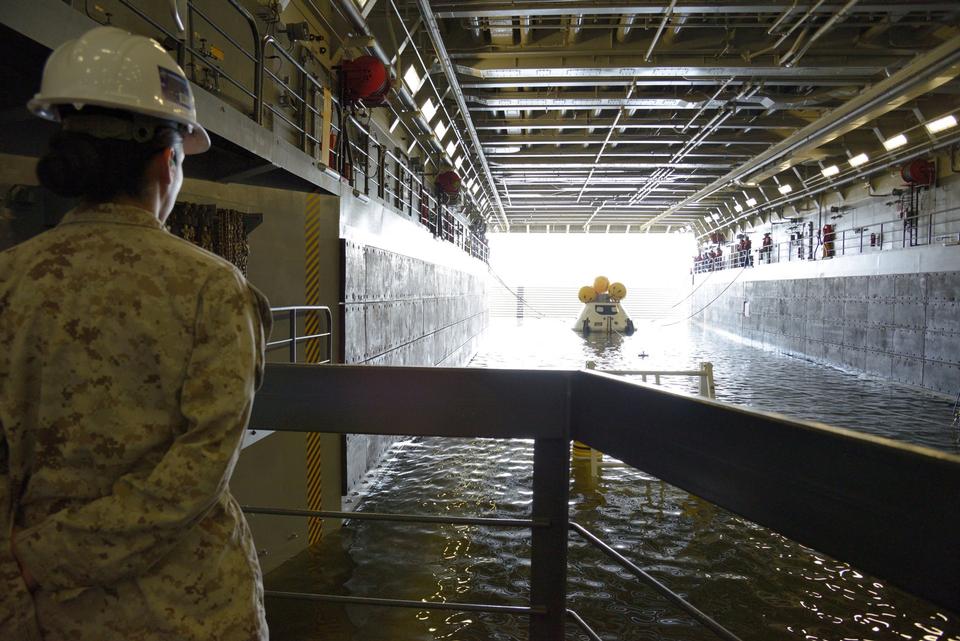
{"x": 451, "y": 147}
{"x": 412, "y": 79}
{"x": 394, "y": 125}
{"x": 474, "y": 189}
{"x": 832, "y": 170}
{"x": 785, "y": 188}
{"x": 440, "y": 130}
{"x": 458, "y": 162}
{"x": 737, "y": 207}
{"x": 941, "y": 123}
{"x": 751, "y": 202}
{"x": 428, "y": 109}
{"x": 892, "y": 143}
{"x": 858, "y": 160}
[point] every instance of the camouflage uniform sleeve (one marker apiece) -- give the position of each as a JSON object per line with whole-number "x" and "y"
{"x": 124, "y": 533}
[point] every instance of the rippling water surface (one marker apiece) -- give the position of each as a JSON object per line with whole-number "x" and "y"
{"x": 754, "y": 581}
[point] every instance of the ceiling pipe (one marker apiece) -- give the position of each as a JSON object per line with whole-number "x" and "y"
{"x": 750, "y": 56}
{"x": 575, "y": 25}
{"x": 603, "y": 147}
{"x": 525, "y": 30}
{"x": 837, "y": 17}
{"x": 773, "y": 28}
{"x": 926, "y": 72}
{"x": 434, "y": 30}
{"x": 663, "y": 24}
{"x": 475, "y": 28}
{"x": 625, "y": 27}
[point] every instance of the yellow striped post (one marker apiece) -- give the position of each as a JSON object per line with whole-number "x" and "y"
{"x": 313, "y": 355}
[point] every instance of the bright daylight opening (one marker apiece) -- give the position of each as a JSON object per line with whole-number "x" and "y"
{"x": 547, "y": 270}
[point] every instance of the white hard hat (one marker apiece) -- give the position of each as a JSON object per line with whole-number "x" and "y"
{"x": 109, "y": 67}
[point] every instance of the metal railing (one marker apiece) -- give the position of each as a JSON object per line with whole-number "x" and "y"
{"x": 706, "y": 389}
{"x": 409, "y": 189}
{"x": 312, "y": 319}
{"x": 938, "y": 227}
{"x": 704, "y": 373}
{"x": 827, "y": 488}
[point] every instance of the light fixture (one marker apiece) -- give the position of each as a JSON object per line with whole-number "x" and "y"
{"x": 451, "y": 147}
{"x": 941, "y": 123}
{"x": 475, "y": 187}
{"x": 832, "y": 170}
{"x": 858, "y": 160}
{"x": 440, "y": 130}
{"x": 785, "y": 188}
{"x": 458, "y": 162}
{"x": 428, "y": 109}
{"x": 413, "y": 143}
{"x": 892, "y": 143}
{"x": 737, "y": 207}
{"x": 394, "y": 124}
{"x": 751, "y": 202}
{"x": 412, "y": 79}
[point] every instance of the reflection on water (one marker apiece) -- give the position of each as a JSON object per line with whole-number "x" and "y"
{"x": 759, "y": 584}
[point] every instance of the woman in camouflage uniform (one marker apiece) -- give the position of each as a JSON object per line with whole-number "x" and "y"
{"x": 128, "y": 366}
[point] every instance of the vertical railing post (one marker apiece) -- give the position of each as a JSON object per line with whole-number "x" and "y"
{"x": 548, "y": 553}
{"x": 707, "y": 388}
{"x": 293, "y": 336}
{"x": 881, "y": 237}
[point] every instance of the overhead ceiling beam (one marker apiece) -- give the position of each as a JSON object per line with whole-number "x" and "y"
{"x": 932, "y": 69}
{"x": 509, "y": 141}
{"x": 608, "y": 101}
{"x": 510, "y": 9}
{"x": 829, "y": 72}
{"x": 434, "y": 30}
{"x": 550, "y": 123}
{"x": 662, "y": 82}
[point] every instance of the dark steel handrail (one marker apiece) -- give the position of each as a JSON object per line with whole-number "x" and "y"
{"x": 294, "y": 339}
{"x": 828, "y": 488}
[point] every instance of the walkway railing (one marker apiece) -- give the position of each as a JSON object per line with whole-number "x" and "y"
{"x": 367, "y": 171}
{"x": 313, "y": 315}
{"x": 707, "y": 389}
{"x": 888, "y": 508}
{"x": 934, "y": 228}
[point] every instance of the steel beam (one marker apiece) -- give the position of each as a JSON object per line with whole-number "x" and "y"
{"x": 545, "y": 9}
{"x": 888, "y": 508}
{"x": 671, "y": 71}
{"x": 853, "y": 496}
{"x": 931, "y": 70}
{"x": 434, "y": 30}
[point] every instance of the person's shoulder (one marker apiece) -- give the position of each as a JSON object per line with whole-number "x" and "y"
{"x": 189, "y": 254}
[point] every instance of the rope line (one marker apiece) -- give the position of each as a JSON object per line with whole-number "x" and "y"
{"x": 742, "y": 269}
{"x": 518, "y": 296}
{"x": 694, "y": 290}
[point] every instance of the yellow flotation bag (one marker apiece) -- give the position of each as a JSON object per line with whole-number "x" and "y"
{"x": 587, "y": 294}
{"x": 600, "y": 284}
{"x": 618, "y": 291}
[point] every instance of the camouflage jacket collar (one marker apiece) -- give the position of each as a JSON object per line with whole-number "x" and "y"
{"x": 112, "y": 213}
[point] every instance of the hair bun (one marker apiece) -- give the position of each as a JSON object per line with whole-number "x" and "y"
{"x": 71, "y": 165}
